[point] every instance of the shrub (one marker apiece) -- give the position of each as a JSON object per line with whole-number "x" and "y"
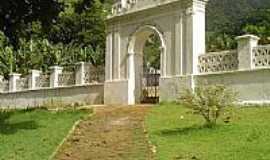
{"x": 209, "y": 101}
{"x": 5, "y": 115}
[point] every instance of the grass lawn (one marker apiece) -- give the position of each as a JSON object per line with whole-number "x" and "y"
{"x": 247, "y": 137}
{"x": 34, "y": 135}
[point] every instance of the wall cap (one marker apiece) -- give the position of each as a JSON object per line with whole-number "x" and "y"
{"x": 80, "y": 63}
{"x": 247, "y": 36}
{"x": 15, "y": 74}
{"x": 35, "y": 71}
{"x": 56, "y": 68}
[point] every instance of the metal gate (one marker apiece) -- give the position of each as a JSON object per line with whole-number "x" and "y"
{"x": 150, "y": 87}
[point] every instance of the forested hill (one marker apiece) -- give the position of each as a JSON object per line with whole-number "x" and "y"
{"x": 229, "y": 18}
{"x": 229, "y": 14}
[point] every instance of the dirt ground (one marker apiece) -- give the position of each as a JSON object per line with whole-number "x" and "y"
{"x": 113, "y": 133}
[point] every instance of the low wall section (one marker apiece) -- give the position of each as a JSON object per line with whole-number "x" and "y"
{"x": 85, "y": 94}
{"x": 252, "y": 86}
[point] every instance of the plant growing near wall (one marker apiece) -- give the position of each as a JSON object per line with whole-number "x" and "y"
{"x": 4, "y": 116}
{"x": 209, "y": 101}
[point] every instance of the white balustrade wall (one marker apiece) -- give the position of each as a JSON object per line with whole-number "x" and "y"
{"x": 82, "y": 74}
{"x": 245, "y": 70}
{"x": 261, "y": 56}
{"x": 248, "y": 56}
{"x": 83, "y": 81}
{"x": 218, "y": 62}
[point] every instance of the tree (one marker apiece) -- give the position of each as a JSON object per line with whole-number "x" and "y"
{"x": 258, "y": 23}
{"x": 227, "y": 19}
{"x": 82, "y": 22}
{"x": 16, "y": 14}
{"x": 152, "y": 52}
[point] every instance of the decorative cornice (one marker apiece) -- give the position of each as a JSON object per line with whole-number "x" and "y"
{"x": 188, "y": 6}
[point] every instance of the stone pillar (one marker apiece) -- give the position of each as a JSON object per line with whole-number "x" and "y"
{"x": 109, "y": 57}
{"x": 194, "y": 35}
{"x": 55, "y": 71}
{"x": 138, "y": 62}
{"x": 135, "y": 72}
{"x": 13, "y": 78}
{"x": 179, "y": 45}
{"x": 246, "y": 43}
{"x": 1, "y": 83}
{"x": 80, "y": 73}
{"x": 163, "y": 64}
{"x": 131, "y": 77}
{"x": 1, "y": 78}
{"x": 34, "y": 74}
{"x": 124, "y": 4}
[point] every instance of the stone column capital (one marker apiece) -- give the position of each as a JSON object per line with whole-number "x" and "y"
{"x": 247, "y": 37}
{"x": 56, "y": 68}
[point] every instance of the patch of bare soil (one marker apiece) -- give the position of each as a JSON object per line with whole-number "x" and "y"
{"x": 113, "y": 133}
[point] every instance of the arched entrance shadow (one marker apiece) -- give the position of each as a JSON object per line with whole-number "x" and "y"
{"x": 135, "y": 60}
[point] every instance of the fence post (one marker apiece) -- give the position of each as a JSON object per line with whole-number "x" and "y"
{"x": 55, "y": 71}
{"x": 1, "y": 83}
{"x": 13, "y": 78}
{"x": 246, "y": 43}
{"x": 33, "y": 79}
{"x": 80, "y": 73}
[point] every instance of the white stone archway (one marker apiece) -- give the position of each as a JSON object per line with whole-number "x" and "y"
{"x": 180, "y": 25}
{"x": 135, "y": 52}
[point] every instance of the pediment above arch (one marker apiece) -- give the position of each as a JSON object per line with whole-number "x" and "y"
{"x": 122, "y": 7}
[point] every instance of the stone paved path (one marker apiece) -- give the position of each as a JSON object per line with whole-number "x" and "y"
{"x": 113, "y": 133}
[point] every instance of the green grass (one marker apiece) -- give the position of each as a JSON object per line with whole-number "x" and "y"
{"x": 34, "y": 135}
{"x": 247, "y": 137}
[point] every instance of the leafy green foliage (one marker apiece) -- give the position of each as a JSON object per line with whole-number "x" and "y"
{"x": 82, "y": 22}
{"x": 41, "y": 54}
{"x": 219, "y": 42}
{"x": 75, "y": 24}
{"x": 209, "y": 101}
{"x": 230, "y": 18}
{"x": 37, "y": 34}
{"x": 258, "y": 23}
{"x": 152, "y": 52}
{"x": 17, "y": 14}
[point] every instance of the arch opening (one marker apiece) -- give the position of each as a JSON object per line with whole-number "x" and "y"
{"x": 146, "y": 56}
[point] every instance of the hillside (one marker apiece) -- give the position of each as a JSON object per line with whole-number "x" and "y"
{"x": 228, "y": 15}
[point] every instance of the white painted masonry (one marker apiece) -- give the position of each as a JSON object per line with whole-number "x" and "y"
{"x": 83, "y": 86}
{"x": 34, "y": 74}
{"x": 180, "y": 26}
{"x": 55, "y": 71}
{"x": 13, "y": 78}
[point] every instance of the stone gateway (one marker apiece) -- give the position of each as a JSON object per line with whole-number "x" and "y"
{"x": 180, "y": 26}
{"x": 184, "y": 63}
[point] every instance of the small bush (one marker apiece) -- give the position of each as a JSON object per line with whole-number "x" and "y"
{"x": 209, "y": 101}
{"x": 4, "y": 116}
